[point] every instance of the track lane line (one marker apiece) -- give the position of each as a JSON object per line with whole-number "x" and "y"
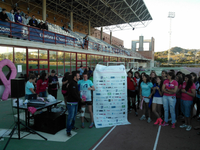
{"x": 157, "y": 137}
{"x": 103, "y": 138}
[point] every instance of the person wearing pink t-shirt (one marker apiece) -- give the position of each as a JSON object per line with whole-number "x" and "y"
{"x": 178, "y": 95}
{"x": 188, "y": 93}
{"x": 169, "y": 89}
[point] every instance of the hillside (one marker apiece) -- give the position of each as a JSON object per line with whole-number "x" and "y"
{"x": 179, "y": 50}
{"x": 178, "y": 55}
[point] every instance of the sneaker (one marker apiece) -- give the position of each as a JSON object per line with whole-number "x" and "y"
{"x": 91, "y": 125}
{"x": 165, "y": 124}
{"x": 149, "y": 120}
{"x": 188, "y": 128}
{"x": 82, "y": 125}
{"x": 173, "y": 126}
{"x": 143, "y": 117}
{"x": 157, "y": 121}
{"x": 183, "y": 126}
{"x": 136, "y": 114}
{"x": 69, "y": 134}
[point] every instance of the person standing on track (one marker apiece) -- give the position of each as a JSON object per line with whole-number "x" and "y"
{"x": 72, "y": 102}
{"x": 42, "y": 85}
{"x": 137, "y": 89}
{"x": 132, "y": 84}
{"x": 196, "y": 82}
{"x": 169, "y": 89}
{"x": 178, "y": 95}
{"x": 86, "y": 86}
{"x": 53, "y": 83}
{"x": 188, "y": 93}
{"x": 145, "y": 94}
{"x": 157, "y": 99}
{"x": 164, "y": 74}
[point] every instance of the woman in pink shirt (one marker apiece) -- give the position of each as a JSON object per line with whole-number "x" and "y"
{"x": 188, "y": 93}
{"x": 169, "y": 89}
{"x": 178, "y": 95}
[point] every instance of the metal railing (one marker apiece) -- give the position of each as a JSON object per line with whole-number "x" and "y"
{"x": 30, "y": 33}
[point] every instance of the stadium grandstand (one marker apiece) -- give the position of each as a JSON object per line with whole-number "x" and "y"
{"x": 61, "y": 46}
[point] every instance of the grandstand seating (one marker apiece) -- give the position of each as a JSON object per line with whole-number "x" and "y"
{"x": 94, "y": 43}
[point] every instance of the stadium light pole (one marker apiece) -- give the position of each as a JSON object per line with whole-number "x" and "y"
{"x": 170, "y": 16}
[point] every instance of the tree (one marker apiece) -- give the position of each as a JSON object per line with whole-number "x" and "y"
{"x": 190, "y": 53}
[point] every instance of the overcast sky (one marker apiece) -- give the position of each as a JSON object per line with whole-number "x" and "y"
{"x": 185, "y": 25}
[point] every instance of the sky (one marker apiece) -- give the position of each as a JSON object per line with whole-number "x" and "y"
{"x": 185, "y": 26}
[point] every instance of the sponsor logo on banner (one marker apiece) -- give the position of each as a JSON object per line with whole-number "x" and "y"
{"x": 25, "y": 31}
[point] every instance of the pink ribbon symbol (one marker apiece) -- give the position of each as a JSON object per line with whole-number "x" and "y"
{"x": 7, "y": 91}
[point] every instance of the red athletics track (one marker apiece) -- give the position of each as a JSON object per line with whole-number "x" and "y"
{"x": 140, "y": 135}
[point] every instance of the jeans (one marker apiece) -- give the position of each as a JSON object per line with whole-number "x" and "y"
{"x": 169, "y": 102}
{"x": 43, "y": 94}
{"x": 72, "y": 111}
{"x": 186, "y": 107}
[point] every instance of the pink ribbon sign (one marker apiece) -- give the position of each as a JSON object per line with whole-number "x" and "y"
{"x": 10, "y": 64}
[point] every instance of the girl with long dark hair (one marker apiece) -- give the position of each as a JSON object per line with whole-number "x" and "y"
{"x": 153, "y": 76}
{"x": 188, "y": 93}
{"x": 132, "y": 84}
{"x": 157, "y": 99}
{"x": 137, "y": 89}
{"x": 178, "y": 95}
{"x": 145, "y": 94}
{"x": 42, "y": 85}
{"x": 164, "y": 74}
{"x": 65, "y": 82}
{"x": 169, "y": 89}
{"x": 196, "y": 82}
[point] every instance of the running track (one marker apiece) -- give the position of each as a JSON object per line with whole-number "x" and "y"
{"x": 140, "y": 135}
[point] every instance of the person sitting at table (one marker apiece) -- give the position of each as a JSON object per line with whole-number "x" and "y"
{"x": 29, "y": 88}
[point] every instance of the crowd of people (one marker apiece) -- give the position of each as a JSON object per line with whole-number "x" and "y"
{"x": 167, "y": 95}
{"x": 14, "y": 16}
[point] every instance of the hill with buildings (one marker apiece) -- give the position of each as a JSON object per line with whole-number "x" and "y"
{"x": 178, "y": 55}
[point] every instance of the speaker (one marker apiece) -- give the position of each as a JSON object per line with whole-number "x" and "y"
{"x": 50, "y": 122}
{"x": 17, "y": 87}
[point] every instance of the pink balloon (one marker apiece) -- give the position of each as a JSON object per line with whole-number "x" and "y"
{"x": 10, "y": 64}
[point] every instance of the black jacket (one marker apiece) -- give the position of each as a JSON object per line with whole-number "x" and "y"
{"x": 31, "y": 22}
{"x": 74, "y": 95}
{"x": 44, "y": 26}
{"x": 3, "y": 17}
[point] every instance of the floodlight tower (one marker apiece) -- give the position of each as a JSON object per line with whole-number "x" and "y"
{"x": 170, "y": 15}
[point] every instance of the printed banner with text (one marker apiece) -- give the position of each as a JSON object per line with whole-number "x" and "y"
{"x": 110, "y": 96}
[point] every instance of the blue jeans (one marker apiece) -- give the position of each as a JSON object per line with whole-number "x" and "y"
{"x": 72, "y": 111}
{"x": 186, "y": 107}
{"x": 169, "y": 102}
{"x": 43, "y": 94}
